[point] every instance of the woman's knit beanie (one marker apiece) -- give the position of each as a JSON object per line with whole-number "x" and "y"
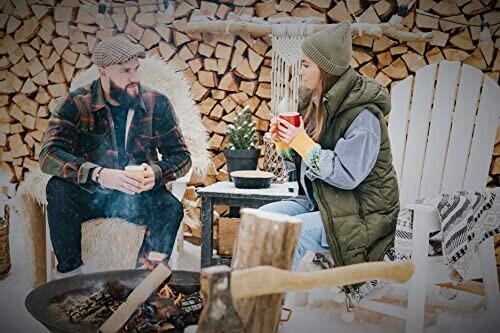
{"x": 331, "y": 48}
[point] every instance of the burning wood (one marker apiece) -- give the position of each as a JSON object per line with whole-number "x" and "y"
{"x": 138, "y": 296}
{"x": 168, "y": 310}
{"x": 178, "y": 299}
{"x": 166, "y": 292}
{"x": 94, "y": 303}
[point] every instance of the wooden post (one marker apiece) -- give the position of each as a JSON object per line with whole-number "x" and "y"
{"x": 263, "y": 29}
{"x": 264, "y": 239}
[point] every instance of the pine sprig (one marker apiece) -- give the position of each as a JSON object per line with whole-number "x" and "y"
{"x": 242, "y": 132}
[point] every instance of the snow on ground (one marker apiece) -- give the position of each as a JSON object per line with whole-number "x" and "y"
{"x": 462, "y": 314}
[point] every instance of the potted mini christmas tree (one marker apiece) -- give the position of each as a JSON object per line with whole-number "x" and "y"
{"x": 241, "y": 153}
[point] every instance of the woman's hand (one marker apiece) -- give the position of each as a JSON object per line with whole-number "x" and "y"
{"x": 273, "y": 129}
{"x": 288, "y": 132}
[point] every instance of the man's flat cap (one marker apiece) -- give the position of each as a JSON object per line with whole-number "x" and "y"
{"x": 116, "y": 51}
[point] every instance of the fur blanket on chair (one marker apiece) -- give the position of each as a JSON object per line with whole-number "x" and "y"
{"x": 30, "y": 201}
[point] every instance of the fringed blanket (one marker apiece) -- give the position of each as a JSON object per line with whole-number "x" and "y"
{"x": 467, "y": 219}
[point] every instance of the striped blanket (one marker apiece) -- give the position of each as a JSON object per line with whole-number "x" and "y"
{"x": 467, "y": 219}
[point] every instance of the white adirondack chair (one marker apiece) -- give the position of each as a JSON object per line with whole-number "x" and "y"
{"x": 442, "y": 131}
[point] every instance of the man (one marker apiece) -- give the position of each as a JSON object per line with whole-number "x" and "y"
{"x": 92, "y": 135}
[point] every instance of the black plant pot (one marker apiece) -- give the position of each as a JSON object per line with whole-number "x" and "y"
{"x": 241, "y": 159}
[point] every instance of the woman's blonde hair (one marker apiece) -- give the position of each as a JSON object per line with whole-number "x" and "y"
{"x": 326, "y": 82}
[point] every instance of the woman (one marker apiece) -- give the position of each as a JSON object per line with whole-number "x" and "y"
{"x": 348, "y": 192}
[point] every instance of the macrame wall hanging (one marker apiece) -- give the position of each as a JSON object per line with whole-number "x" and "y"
{"x": 285, "y": 73}
{"x": 285, "y": 80}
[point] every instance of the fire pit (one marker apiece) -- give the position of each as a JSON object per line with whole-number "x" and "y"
{"x": 83, "y": 303}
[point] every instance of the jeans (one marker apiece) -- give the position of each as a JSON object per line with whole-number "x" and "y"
{"x": 312, "y": 227}
{"x": 69, "y": 206}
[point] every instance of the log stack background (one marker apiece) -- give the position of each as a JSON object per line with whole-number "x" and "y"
{"x": 45, "y": 43}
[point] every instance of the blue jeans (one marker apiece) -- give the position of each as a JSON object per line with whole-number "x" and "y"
{"x": 312, "y": 227}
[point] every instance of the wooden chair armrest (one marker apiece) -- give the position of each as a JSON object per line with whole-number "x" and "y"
{"x": 425, "y": 216}
{"x": 428, "y": 209}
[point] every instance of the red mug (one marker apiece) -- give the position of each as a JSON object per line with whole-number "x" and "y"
{"x": 292, "y": 117}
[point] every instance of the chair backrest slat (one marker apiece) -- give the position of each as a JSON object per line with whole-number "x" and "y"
{"x": 398, "y": 124}
{"x": 442, "y": 130}
{"x": 461, "y": 130}
{"x": 440, "y": 125}
{"x": 423, "y": 95}
{"x": 483, "y": 140}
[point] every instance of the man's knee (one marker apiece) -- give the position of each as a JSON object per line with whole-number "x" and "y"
{"x": 167, "y": 204}
{"x": 58, "y": 189}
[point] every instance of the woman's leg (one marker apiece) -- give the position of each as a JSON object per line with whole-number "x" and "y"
{"x": 287, "y": 207}
{"x": 310, "y": 236}
{"x": 312, "y": 226}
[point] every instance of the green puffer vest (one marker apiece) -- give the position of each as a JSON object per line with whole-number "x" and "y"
{"x": 360, "y": 224}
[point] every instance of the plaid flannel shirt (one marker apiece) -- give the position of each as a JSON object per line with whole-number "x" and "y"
{"x": 80, "y": 136}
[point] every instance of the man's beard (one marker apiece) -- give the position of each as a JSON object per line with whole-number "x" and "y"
{"x": 122, "y": 96}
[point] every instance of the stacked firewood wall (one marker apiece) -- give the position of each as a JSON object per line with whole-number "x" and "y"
{"x": 45, "y": 43}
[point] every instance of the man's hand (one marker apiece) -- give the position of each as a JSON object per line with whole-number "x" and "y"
{"x": 287, "y": 131}
{"x": 149, "y": 177}
{"x": 121, "y": 181}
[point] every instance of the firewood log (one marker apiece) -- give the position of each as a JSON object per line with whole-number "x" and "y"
{"x": 265, "y": 9}
{"x": 198, "y": 91}
{"x": 185, "y": 53}
{"x": 215, "y": 141}
{"x": 218, "y": 94}
{"x": 264, "y": 90}
{"x": 449, "y": 24}
{"x": 413, "y": 61}
{"x": 210, "y": 64}
{"x": 228, "y": 104}
{"x": 369, "y": 70}
{"x": 474, "y": 7}
{"x": 195, "y": 65}
{"x": 476, "y": 59}
{"x": 383, "y": 79}
{"x": 397, "y": 70}
{"x": 149, "y": 38}
{"x": 207, "y": 79}
{"x": 276, "y": 230}
{"x": 223, "y": 52}
{"x": 384, "y": 59}
{"x": 369, "y": 16}
{"x": 217, "y": 113}
{"x": 248, "y": 87}
{"x": 228, "y": 82}
{"x": 183, "y": 9}
{"x": 339, "y": 13}
{"x": 446, "y": 8}
{"x": 254, "y": 59}
{"x": 166, "y": 50}
{"x": 434, "y": 56}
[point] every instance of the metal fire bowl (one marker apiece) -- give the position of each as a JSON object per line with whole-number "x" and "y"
{"x": 38, "y": 300}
